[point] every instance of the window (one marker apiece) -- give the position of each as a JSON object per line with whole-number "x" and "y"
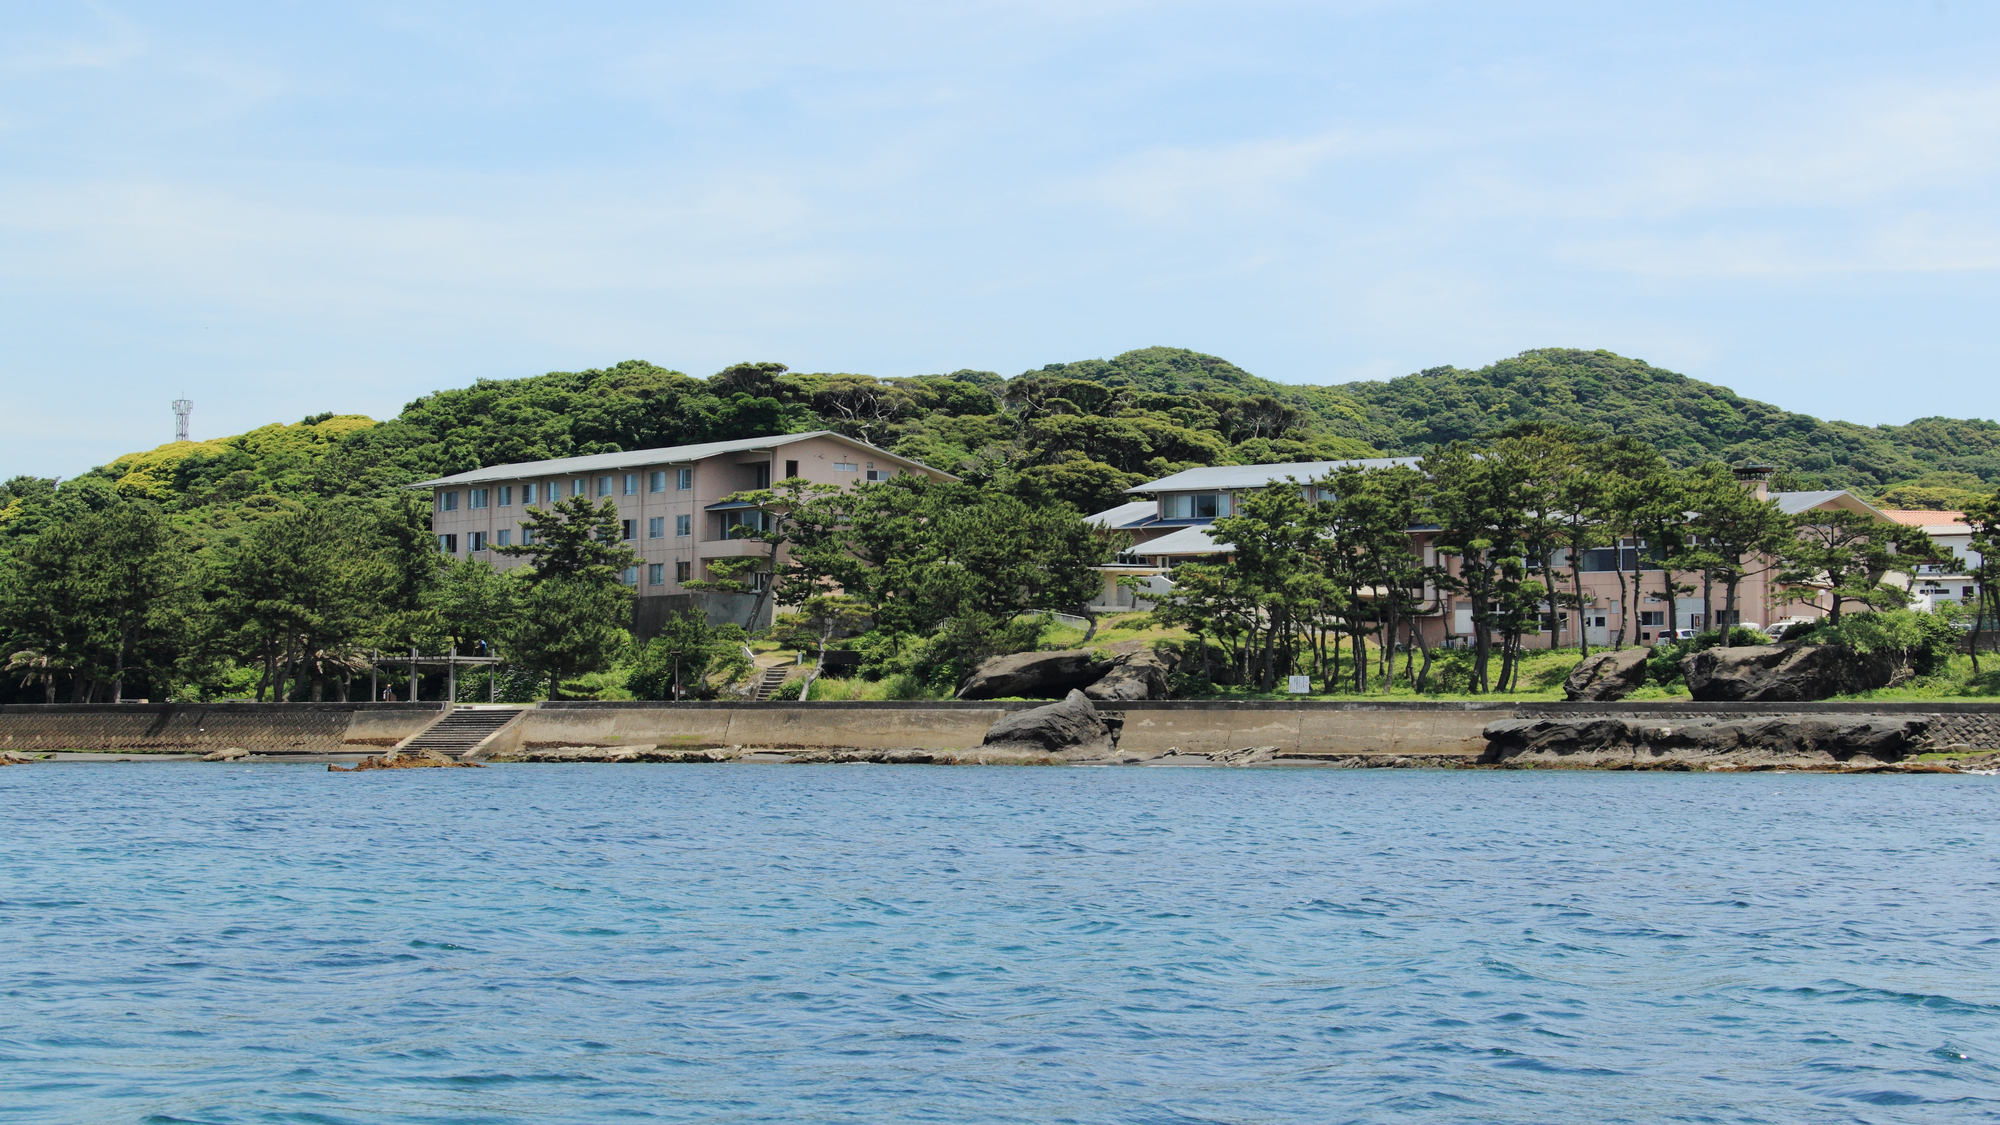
{"x": 475, "y": 541}
{"x": 1652, "y": 617}
{"x": 527, "y": 494}
{"x": 684, "y": 479}
{"x": 1965, "y": 592}
{"x": 448, "y": 501}
{"x": 628, "y": 529}
{"x": 791, "y": 469}
{"x": 631, "y": 484}
{"x": 475, "y": 498}
{"x": 656, "y": 527}
{"x": 629, "y": 576}
{"x": 683, "y": 525}
{"x": 502, "y": 537}
{"x": 1602, "y": 559}
{"x": 506, "y": 495}
{"x": 1197, "y": 506}
{"x": 845, "y": 467}
{"x": 656, "y": 481}
{"x": 749, "y": 520}
{"x": 576, "y": 486}
{"x": 603, "y": 487}
{"x": 656, "y": 574}
{"x": 760, "y": 581}
{"x": 527, "y": 536}
{"x": 683, "y": 570}
{"x": 448, "y": 544}
{"x": 879, "y": 474}
{"x": 760, "y": 475}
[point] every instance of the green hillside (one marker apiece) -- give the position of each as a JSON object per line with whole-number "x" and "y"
{"x": 1079, "y": 432}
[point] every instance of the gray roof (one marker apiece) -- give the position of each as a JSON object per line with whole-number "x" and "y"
{"x": 1792, "y": 503}
{"x": 1258, "y": 476}
{"x": 1126, "y": 515}
{"x": 634, "y": 458}
{"x": 1187, "y": 541}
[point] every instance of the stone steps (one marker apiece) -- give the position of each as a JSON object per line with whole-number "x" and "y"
{"x": 463, "y": 729}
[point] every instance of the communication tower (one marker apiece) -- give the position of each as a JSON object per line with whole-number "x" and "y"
{"x": 182, "y": 408}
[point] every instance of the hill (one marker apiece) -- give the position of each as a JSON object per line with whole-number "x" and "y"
{"x": 1080, "y": 432}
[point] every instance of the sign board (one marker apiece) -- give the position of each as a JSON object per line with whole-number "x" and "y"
{"x": 1300, "y": 685}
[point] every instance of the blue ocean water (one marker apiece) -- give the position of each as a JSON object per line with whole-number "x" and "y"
{"x": 274, "y": 943}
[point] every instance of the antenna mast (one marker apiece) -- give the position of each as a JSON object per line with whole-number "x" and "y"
{"x": 182, "y": 408}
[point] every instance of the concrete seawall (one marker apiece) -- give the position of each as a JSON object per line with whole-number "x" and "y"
{"x": 1302, "y": 729}
{"x": 1297, "y": 729}
{"x": 267, "y": 728}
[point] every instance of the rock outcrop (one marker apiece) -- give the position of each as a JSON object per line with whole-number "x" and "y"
{"x": 405, "y": 760}
{"x": 1034, "y": 675}
{"x": 1246, "y": 756}
{"x": 229, "y": 754}
{"x": 1138, "y": 675}
{"x": 618, "y": 754}
{"x": 1804, "y": 740}
{"x": 1606, "y": 676}
{"x": 1071, "y": 728}
{"x": 1795, "y": 673}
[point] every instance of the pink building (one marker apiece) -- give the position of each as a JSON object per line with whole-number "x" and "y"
{"x": 672, "y": 507}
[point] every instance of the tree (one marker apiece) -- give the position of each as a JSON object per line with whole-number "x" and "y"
{"x": 815, "y": 622}
{"x": 471, "y": 604}
{"x": 105, "y": 596}
{"x": 573, "y": 539}
{"x": 949, "y": 562}
{"x": 680, "y": 654}
{"x": 567, "y": 626}
{"x": 1984, "y": 519}
{"x": 1476, "y": 503}
{"x": 1848, "y": 554}
{"x": 303, "y": 589}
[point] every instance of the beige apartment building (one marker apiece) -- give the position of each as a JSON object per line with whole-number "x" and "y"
{"x": 673, "y": 508}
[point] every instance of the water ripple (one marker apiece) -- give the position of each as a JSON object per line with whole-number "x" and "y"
{"x": 817, "y": 944}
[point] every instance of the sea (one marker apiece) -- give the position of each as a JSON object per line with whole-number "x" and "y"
{"x": 765, "y": 943}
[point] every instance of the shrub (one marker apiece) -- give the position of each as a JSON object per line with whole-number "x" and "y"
{"x": 1664, "y": 666}
{"x": 1926, "y": 640}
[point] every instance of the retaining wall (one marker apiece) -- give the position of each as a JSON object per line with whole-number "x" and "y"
{"x": 1307, "y": 728}
{"x": 268, "y": 728}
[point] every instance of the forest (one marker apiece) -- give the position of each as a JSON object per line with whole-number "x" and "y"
{"x": 300, "y": 539}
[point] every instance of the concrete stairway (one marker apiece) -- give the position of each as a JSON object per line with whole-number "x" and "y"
{"x": 770, "y": 682}
{"x": 463, "y": 729}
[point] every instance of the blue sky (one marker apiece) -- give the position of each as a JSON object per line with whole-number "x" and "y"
{"x": 282, "y": 208}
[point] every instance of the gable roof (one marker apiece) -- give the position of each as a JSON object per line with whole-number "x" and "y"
{"x": 1937, "y": 522}
{"x": 668, "y": 455}
{"x": 1259, "y": 476}
{"x": 1126, "y": 515}
{"x": 1187, "y": 541}
{"x": 1792, "y": 503}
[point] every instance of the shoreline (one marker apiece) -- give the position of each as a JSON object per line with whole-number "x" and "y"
{"x": 1671, "y": 735}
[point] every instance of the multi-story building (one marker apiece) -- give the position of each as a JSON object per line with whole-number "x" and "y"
{"x": 1624, "y": 588}
{"x": 673, "y": 508}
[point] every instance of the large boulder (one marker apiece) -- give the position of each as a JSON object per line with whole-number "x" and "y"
{"x": 1138, "y": 675}
{"x": 1766, "y": 741}
{"x": 1794, "y": 673}
{"x": 1034, "y": 675}
{"x": 1606, "y": 676}
{"x": 1072, "y": 728}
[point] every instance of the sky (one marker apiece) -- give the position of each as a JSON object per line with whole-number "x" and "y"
{"x": 281, "y": 208}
